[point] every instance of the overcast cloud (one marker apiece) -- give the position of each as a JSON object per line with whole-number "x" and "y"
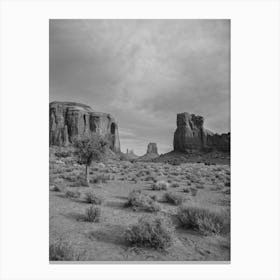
{"x": 144, "y": 72}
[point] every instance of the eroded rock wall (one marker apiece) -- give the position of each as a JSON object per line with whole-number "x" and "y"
{"x": 70, "y": 119}
{"x": 191, "y": 135}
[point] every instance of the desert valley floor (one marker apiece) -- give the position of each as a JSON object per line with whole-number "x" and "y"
{"x": 201, "y": 184}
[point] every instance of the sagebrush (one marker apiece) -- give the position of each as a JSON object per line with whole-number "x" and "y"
{"x": 62, "y": 250}
{"x": 141, "y": 201}
{"x": 203, "y": 219}
{"x": 92, "y": 214}
{"x": 174, "y": 198}
{"x": 153, "y": 232}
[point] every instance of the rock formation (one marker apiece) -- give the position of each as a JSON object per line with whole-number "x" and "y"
{"x": 70, "y": 119}
{"x": 128, "y": 156}
{"x": 151, "y": 153}
{"x": 190, "y": 135}
{"x": 152, "y": 148}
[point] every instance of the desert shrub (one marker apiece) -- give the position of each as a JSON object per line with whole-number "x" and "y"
{"x": 175, "y": 173}
{"x": 63, "y": 251}
{"x": 227, "y": 184}
{"x": 193, "y": 191}
{"x": 150, "y": 232}
{"x": 71, "y": 194}
{"x": 140, "y": 201}
{"x": 69, "y": 169}
{"x": 90, "y": 197}
{"x": 81, "y": 181}
{"x": 203, "y": 219}
{"x": 217, "y": 188}
{"x": 174, "y": 162}
{"x": 143, "y": 172}
{"x": 174, "y": 198}
{"x": 160, "y": 185}
{"x": 227, "y": 191}
{"x": 133, "y": 179}
{"x": 69, "y": 177}
{"x": 92, "y": 214}
{"x": 154, "y": 197}
{"x": 63, "y": 154}
{"x": 55, "y": 188}
{"x": 101, "y": 178}
{"x": 150, "y": 178}
{"x": 174, "y": 185}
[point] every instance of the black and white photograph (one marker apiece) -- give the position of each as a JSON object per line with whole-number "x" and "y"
{"x": 139, "y": 140}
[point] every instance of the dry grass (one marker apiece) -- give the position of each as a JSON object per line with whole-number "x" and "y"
{"x": 69, "y": 216}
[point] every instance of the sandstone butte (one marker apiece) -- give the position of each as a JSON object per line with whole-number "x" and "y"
{"x": 70, "y": 119}
{"x": 191, "y": 135}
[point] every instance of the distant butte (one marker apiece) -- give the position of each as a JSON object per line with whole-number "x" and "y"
{"x": 191, "y": 135}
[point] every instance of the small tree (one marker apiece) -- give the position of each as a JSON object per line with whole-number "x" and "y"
{"x": 89, "y": 149}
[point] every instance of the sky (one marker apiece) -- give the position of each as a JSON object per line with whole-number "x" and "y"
{"x": 144, "y": 72}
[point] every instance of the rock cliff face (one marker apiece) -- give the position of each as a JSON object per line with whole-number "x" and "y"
{"x": 152, "y": 148}
{"x": 70, "y": 119}
{"x": 190, "y": 135}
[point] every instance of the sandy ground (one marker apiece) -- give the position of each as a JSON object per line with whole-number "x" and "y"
{"x": 104, "y": 241}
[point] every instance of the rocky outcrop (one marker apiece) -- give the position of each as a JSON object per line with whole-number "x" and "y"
{"x": 219, "y": 142}
{"x": 70, "y": 119}
{"x": 152, "y": 148}
{"x": 151, "y": 154}
{"x": 191, "y": 135}
{"x": 128, "y": 156}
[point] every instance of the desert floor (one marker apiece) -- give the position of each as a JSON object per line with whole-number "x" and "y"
{"x": 104, "y": 240}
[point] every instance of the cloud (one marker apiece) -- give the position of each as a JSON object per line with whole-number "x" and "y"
{"x": 144, "y": 72}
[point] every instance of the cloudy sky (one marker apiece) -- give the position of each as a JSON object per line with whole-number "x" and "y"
{"x": 144, "y": 72}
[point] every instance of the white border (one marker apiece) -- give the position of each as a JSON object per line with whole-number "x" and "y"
{"x": 254, "y": 127}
